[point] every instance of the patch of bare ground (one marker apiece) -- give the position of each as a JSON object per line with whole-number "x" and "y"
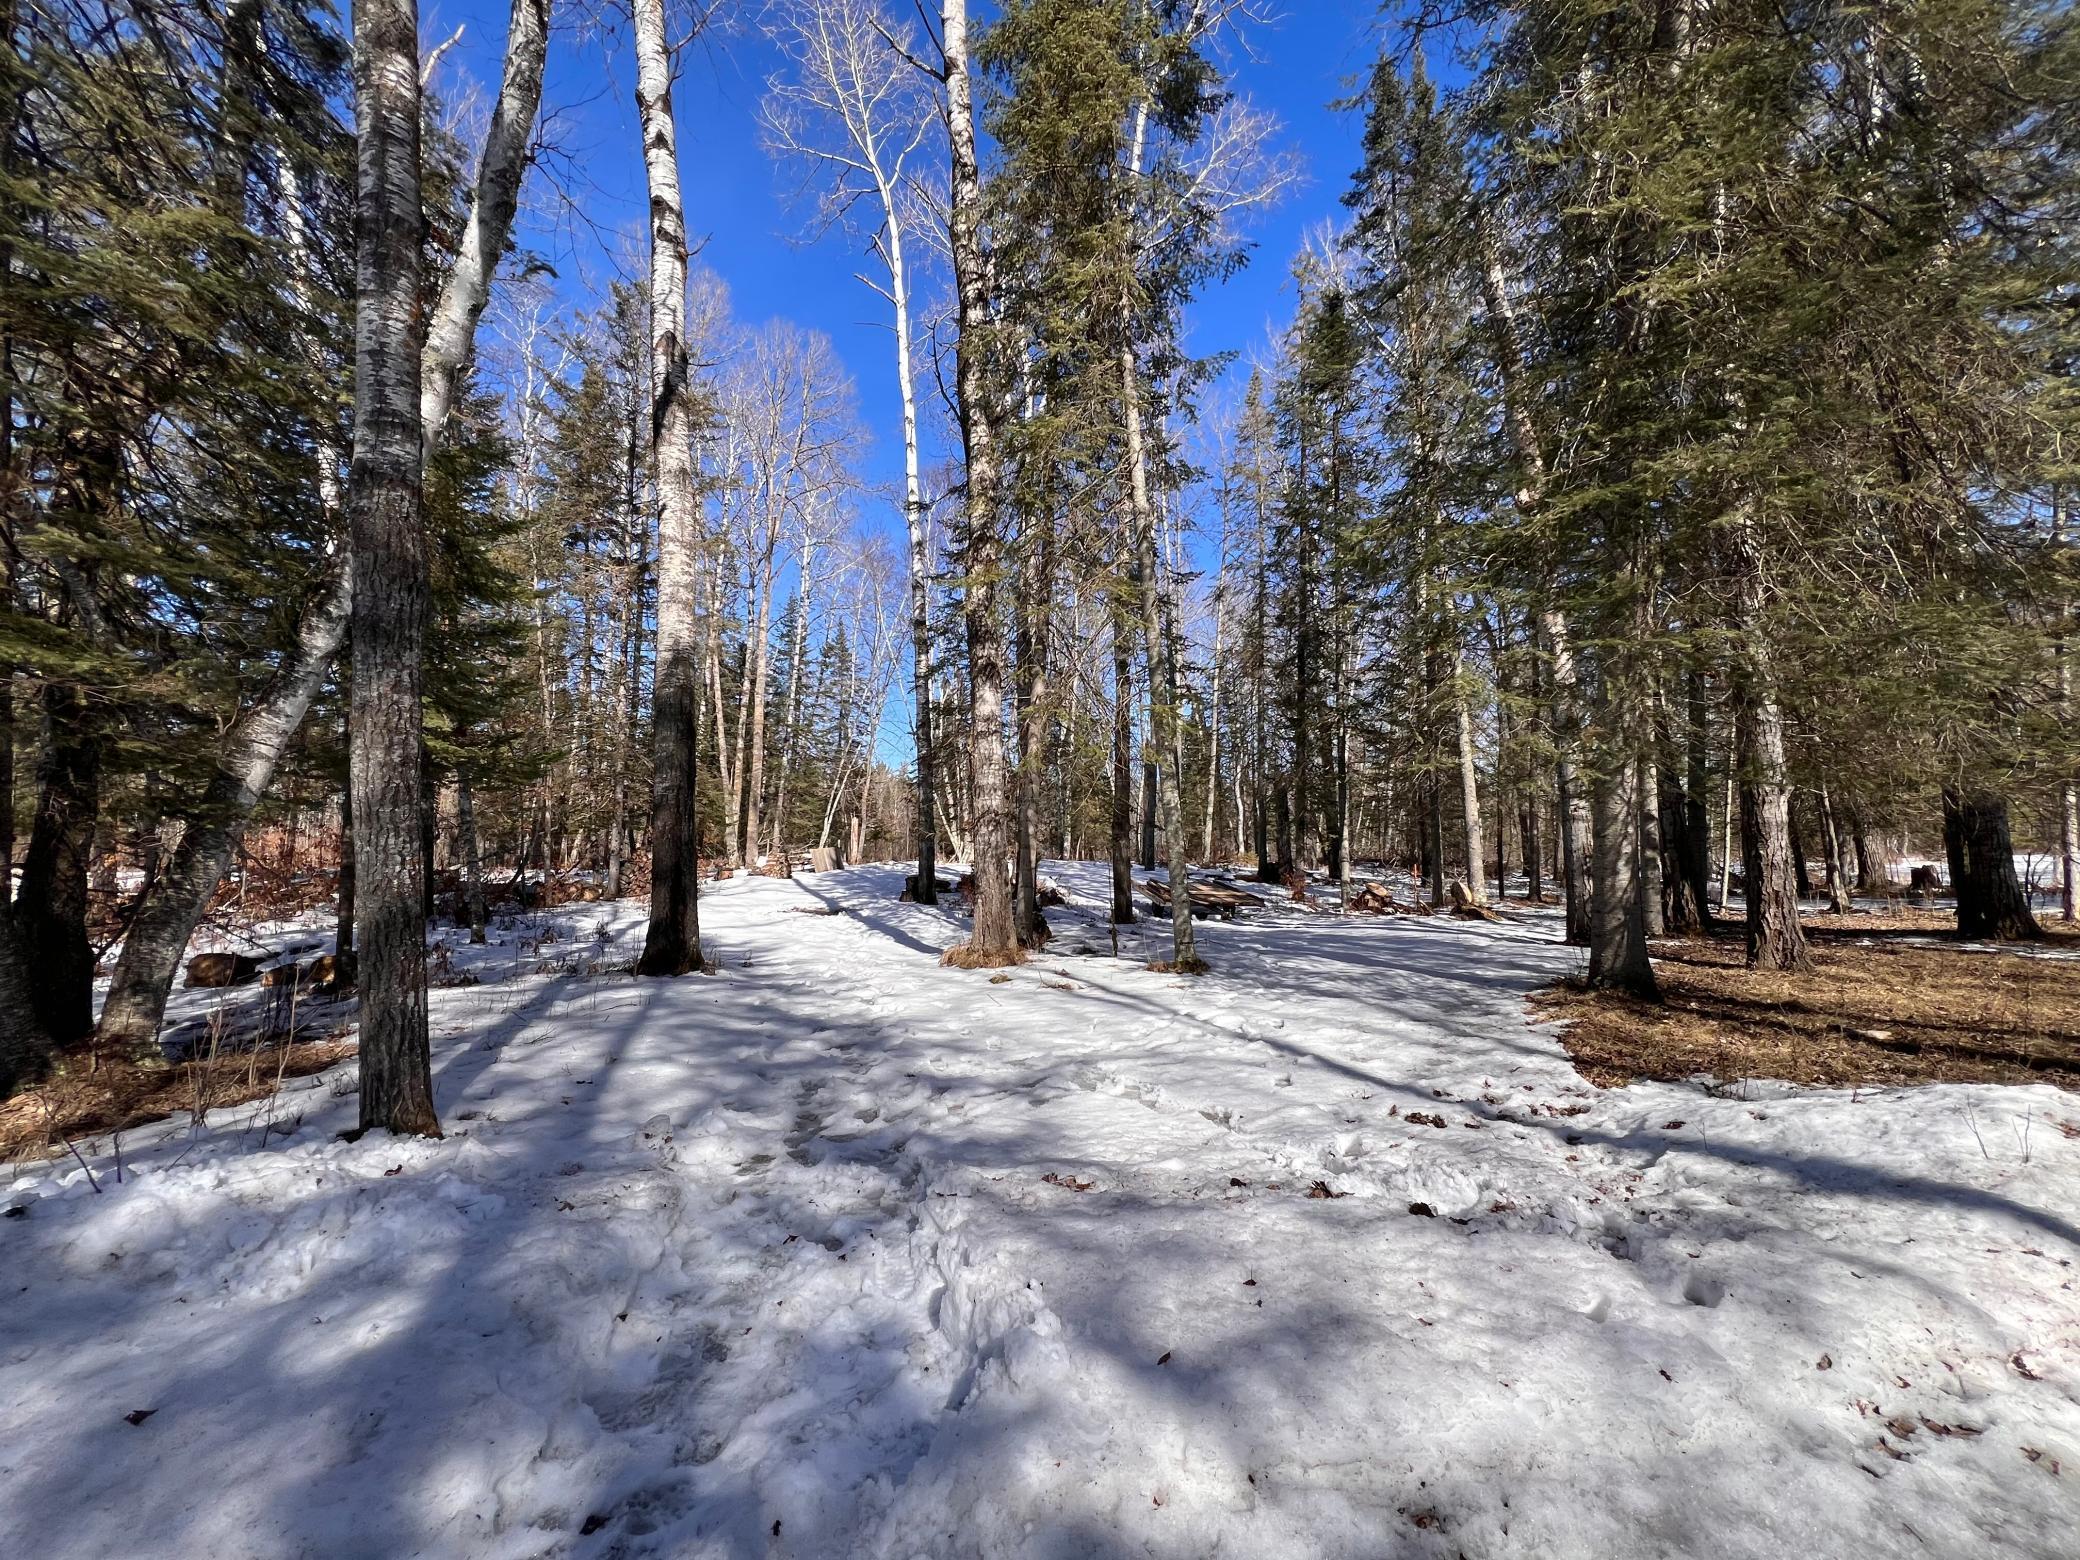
{"x": 1886, "y": 1004}
{"x": 90, "y": 1095}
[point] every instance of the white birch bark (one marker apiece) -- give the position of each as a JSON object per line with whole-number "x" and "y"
{"x": 672, "y": 945}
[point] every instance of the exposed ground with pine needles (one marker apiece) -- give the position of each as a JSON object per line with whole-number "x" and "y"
{"x": 1893, "y": 999}
{"x": 91, "y": 1095}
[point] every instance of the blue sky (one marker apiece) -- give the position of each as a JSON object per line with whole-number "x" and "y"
{"x": 737, "y": 198}
{"x": 589, "y": 216}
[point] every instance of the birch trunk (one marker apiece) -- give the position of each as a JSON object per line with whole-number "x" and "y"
{"x": 451, "y": 331}
{"x": 1469, "y": 784}
{"x": 757, "y": 676}
{"x": 387, "y": 527}
{"x": 994, "y": 939}
{"x": 1120, "y": 835}
{"x": 797, "y": 650}
{"x": 1653, "y": 855}
{"x": 672, "y": 945}
{"x": 914, "y": 523}
{"x": 2069, "y": 792}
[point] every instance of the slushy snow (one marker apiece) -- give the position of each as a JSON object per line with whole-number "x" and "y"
{"x": 840, "y": 1253}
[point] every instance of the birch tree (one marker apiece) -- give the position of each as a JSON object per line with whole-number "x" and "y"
{"x": 672, "y": 945}
{"x": 853, "y": 104}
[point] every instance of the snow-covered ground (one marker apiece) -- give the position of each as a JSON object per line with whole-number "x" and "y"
{"x": 840, "y": 1253}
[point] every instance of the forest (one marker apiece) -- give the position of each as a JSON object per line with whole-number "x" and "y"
{"x": 1643, "y": 546}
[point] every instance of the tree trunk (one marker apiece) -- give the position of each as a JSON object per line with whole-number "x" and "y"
{"x": 1034, "y": 612}
{"x": 25, "y": 1046}
{"x": 1832, "y": 844}
{"x": 1618, "y": 934}
{"x": 1691, "y": 902}
{"x": 1575, "y": 826}
{"x": 2069, "y": 791}
{"x": 797, "y": 651}
{"x": 50, "y": 910}
{"x": 1990, "y": 900}
{"x": 915, "y": 513}
{"x": 994, "y": 939}
{"x": 452, "y": 329}
{"x": 1800, "y": 872}
{"x": 472, "y": 857}
{"x": 1653, "y": 863}
{"x": 672, "y": 944}
{"x": 388, "y": 530}
{"x": 1469, "y": 783}
{"x": 1768, "y": 858}
{"x": 1120, "y": 836}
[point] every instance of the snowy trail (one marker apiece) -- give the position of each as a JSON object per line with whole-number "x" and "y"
{"x": 772, "y": 1264}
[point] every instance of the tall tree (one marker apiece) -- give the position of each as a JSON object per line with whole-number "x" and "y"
{"x": 388, "y": 540}
{"x": 994, "y": 938}
{"x": 672, "y": 945}
{"x": 856, "y": 71}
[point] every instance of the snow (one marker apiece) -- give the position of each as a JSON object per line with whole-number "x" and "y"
{"x": 769, "y": 1263}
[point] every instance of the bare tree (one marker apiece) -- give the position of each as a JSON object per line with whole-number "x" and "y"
{"x": 853, "y": 104}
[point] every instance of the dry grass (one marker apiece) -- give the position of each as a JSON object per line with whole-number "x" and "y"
{"x": 1877, "y": 1010}
{"x": 90, "y": 1095}
{"x": 966, "y": 957}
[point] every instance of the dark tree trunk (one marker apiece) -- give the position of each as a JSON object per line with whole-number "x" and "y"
{"x": 1990, "y": 900}
{"x": 1618, "y": 933}
{"x": 1682, "y": 883}
{"x": 25, "y": 1046}
{"x": 50, "y": 912}
{"x": 1801, "y": 873}
{"x": 1534, "y": 864}
{"x": 1775, "y": 939}
{"x": 6, "y": 780}
{"x": 387, "y": 520}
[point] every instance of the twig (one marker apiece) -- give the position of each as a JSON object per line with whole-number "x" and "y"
{"x": 82, "y": 1163}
